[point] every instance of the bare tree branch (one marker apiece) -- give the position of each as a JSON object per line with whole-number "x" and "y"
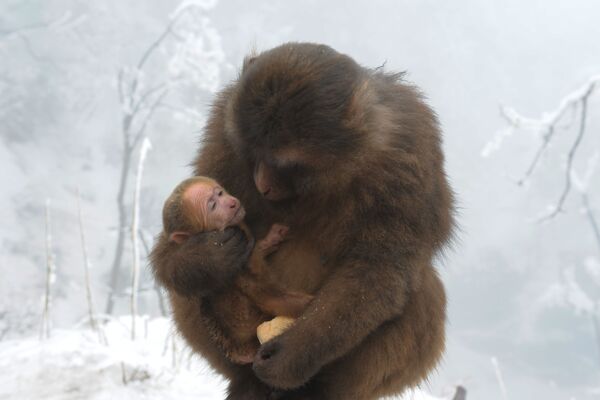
{"x": 548, "y": 121}
{"x": 591, "y": 218}
{"x": 136, "y": 114}
{"x": 149, "y": 115}
{"x": 499, "y": 378}
{"x": 150, "y": 50}
{"x": 7, "y": 33}
{"x": 571, "y": 155}
{"x": 145, "y": 96}
{"x": 50, "y": 276}
{"x": 146, "y": 146}
{"x": 120, "y": 86}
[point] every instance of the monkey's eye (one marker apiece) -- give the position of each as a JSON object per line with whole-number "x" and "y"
{"x": 220, "y": 193}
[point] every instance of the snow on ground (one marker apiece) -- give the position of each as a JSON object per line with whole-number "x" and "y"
{"x": 78, "y": 364}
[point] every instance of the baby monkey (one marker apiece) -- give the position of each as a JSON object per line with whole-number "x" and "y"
{"x": 199, "y": 204}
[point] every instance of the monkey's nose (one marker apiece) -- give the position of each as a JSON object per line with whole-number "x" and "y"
{"x": 234, "y": 204}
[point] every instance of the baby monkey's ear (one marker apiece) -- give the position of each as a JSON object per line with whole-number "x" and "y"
{"x": 178, "y": 237}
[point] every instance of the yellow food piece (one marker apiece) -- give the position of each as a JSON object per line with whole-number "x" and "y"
{"x": 268, "y": 330}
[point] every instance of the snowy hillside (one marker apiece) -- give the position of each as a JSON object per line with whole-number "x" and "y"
{"x": 85, "y": 364}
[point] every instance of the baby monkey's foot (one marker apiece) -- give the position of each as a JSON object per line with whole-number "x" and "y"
{"x": 276, "y": 235}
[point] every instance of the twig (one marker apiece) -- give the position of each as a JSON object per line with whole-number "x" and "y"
{"x": 596, "y": 322}
{"x": 571, "y": 155}
{"x": 538, "y": 155}
{"x": 149, "y": 115}
{"x": 547, "y": 122}
{"x": 145, "y": 96}
{"x": 149, "y": 51}
{"x": 123, "y": 374}
{"x": 146, "y": 146}
{"x": 17, "y": 31}
{"x": 146, "y": 55}
{"x": 591, "y": 217}
{"x": 50, "y": 276}
{"x": 499, "y": 378}
{"x": 86, "y": 269}
{"x": 131, "y": 111}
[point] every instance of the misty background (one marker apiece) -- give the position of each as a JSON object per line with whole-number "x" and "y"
{"x": 82, "y": 84}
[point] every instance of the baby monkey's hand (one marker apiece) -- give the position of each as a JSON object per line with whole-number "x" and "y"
{"x": 270, "y": 243}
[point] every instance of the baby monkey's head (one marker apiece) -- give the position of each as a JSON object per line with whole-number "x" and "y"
{"x": 199, "y": 204}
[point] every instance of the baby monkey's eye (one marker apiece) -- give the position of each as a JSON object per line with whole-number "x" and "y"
{"x": 220, "y": 193}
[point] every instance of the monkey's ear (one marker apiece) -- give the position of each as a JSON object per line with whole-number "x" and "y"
{"x": 178, "y": 237}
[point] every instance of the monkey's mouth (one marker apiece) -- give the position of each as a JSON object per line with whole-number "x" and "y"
{"x": 238, "y": 216}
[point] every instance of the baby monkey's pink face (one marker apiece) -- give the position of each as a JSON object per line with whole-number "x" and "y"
{"x": 212, "y": 207}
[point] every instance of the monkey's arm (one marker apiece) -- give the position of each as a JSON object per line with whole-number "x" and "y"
{"x": 354, "y": 302}
{"x": 270, "y": 298}
{"x": 203, "y": 264}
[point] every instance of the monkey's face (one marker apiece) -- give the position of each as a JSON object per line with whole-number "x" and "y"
{"x": 289, "y": 111}
{"x": 211, "y": 207}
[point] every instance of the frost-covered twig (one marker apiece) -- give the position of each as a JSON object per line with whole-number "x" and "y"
{"x": 50, "y": 276}
{"x": 86, "y": 270}
{"x": 550, "y": 119}
{"x": 132, "y": 104}
{"x": 547, "y": 126}
{"x": 591, "y": 218}
{"x": 571, "y": 154}
{"x": 146, "y": 146}
{"x": 499, "y": 378}
{"x": 148, "y": 116}
{"x": 596, "y": 322}
{"x": 582, "y": 184}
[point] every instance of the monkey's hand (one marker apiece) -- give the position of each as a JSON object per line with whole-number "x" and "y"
{"x": 270, "y": 243}
{"x": 208, "y": 261}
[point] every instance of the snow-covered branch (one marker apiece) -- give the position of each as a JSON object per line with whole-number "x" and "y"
{"x": 499, "y": 378}
{"x": 547, "y": 126}
{"x": 50, "y": 276}
{"x": 86, "y": 270}
{"x": 550, "y": 119}
{"x": 146, "y": 146}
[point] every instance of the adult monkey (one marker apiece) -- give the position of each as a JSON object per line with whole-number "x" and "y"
{"x": 350, "y": 159}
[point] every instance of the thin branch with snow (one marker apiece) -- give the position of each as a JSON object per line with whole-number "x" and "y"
{"x": 572, "y": 151}
{"x": 547, "y": 125}
{"x": 591, "y": 218}
{"x": 499, "y": 378}
{"x": 50, "y": 276}
{"x": 86, "y": 271}
{"x": 146, "y": 146}
{"x": 548, "y": 121}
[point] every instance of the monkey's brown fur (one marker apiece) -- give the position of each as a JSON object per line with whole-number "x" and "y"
{"x": 373, "y": 206}
{"x": 234, "y": 313}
